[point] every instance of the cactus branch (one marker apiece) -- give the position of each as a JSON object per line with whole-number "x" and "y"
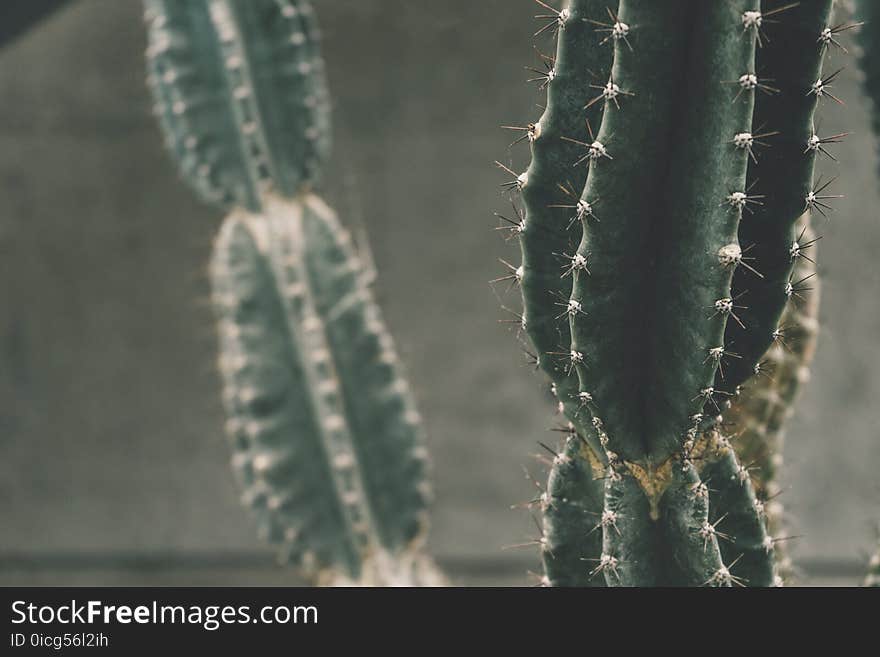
{"x": 551, "y": 196}
{"x": 758, "y": 416}
{"x": 574, "y": 516}
{"x": 241, "y": 95}
{"x": 326, "y": 438}
{"x": 669, "y": 228}
{"x": 782, "y": 177}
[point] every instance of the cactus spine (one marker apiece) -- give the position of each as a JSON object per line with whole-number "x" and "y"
{"x": 327, "y": 443}
{"x": 682, "y": 201}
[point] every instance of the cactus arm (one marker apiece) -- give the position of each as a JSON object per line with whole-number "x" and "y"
{"x": 389, "y": 440}
{"x": 759, "y": 414}
{"x": 326, "y": 440}
{"x": 289, "y": 484}
{"x": 782, "y": 177}
{"x": 671, "y": 241}
{"x": 631, "y": 547}
{"x": 185, "y": 74}
{"x": 343, "y": 485}
{"x": 701, "y": 240}
{"x": 694, "y": 557}
{"x": 702, "y": 212}
{"x": 659, "y": 379}
{"x": 316, "y": 105}
{"x": 573, "y": 517}
{"x": 550, "y": 196}
{"x": 241, "y": 95}
{"x": 608, "y": 332}
{"x": 552, "y": 230}
{"x": 740, "y": 518}
{"x": 757, "y": 417}
{"x": 286, "y": 73}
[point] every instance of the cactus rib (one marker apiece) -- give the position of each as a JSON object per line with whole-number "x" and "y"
{"x": 326, "y": 440}
{"x": 548, "y": 236}
{"x": 550, "y": 195}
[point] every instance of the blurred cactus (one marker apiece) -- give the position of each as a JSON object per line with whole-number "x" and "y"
{"x": 327, "y": 443}
{"x": 660, "y": 248}
{"x": 241, "y": 94}
{"x": 873, "y": 578}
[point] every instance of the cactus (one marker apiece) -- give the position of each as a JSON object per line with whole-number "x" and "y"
{"x": 758, "y": 415}
{"x": 327, "y": 443}
{"x": 659, "y": 243}
{"x": 241, "y": 95}
{"x": 550, "y": 231}
{"x": 573, "y": 508}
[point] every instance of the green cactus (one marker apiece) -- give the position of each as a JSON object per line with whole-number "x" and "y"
{"x": 550, "y": 228}
{"x": 327, "y": 443}
{"x": 782, "y": 179}
{"x": 241, "y": 94}
{"x": 548, "y": 232}
{"x": 573, "y": 508}
{"x": 658, "y": 254}
{"x": 758, "y": 415}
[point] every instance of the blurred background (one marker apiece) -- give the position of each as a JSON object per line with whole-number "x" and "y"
{"x": 113, "y": 462}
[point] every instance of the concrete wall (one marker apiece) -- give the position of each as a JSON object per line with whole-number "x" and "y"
{"x": 110, "y": 426}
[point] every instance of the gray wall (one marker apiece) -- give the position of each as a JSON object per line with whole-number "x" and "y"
{"x": 110, "y": 426}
